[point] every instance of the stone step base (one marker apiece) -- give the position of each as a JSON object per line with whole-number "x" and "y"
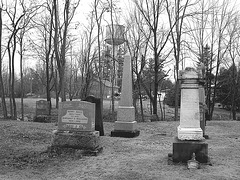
{"x": 54, "y": 151}
{"x": 183, "y": 150}
{"x": 80, "y": 140}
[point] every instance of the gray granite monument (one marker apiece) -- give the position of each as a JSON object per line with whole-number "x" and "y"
{"x": 76, "y": 126}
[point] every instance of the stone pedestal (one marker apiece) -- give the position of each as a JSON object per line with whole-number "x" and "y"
{"x": 190, "y": 134}
{"x": 189, "y": 128}
{"x": 76, "y": 140}
{"x": 183, "y": 150}
{"x": 126, "y": 126}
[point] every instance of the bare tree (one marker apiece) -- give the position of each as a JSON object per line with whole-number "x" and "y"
{"x": 233, "y": 52}
{"x": 2, "y": 92}
{"x": 43, "y": 46}
{"x": 60, "y": 40}
{"x": 176, "y": 15}
{"x": 87, "y": 56}
{"x": 18, "y": 21}
{"x": 151, "y": 12}
{"x": 98, "y": 18}
{"x": 221, "y": 17}
{"x": 25, "y": 27}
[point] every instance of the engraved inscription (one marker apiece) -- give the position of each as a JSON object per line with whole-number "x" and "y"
{"x": 75, "y": 116}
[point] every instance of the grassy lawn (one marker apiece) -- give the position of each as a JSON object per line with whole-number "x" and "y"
{"x": 24, "y": 152}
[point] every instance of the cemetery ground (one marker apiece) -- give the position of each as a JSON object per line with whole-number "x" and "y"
{"x": 25, "y": 152}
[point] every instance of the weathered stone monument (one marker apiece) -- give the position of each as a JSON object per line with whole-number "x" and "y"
{"x": 43, "y": 111}
{"x": 126, "y": 125}
{"x": 202, "y": 104}
{"x": 190, "y": 135}
{"x": 76, "y": 127}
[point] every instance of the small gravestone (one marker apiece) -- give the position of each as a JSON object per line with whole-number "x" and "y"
{"x": 43, "y": 111}
{"x": 98, "y": 114}
{"x": 190, "y": 135}
{"x": 76, "y": 127}
{"x": 42, "y": 107}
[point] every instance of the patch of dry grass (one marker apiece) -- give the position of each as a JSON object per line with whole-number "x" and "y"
{"x": 24, "y": 154}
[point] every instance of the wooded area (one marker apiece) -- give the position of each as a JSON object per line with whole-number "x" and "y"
{"x": 162, "y": 37}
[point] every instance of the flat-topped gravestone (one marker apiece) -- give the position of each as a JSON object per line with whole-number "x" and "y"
{"x": 76, "y": 127}
{"x": 76, "y": 116}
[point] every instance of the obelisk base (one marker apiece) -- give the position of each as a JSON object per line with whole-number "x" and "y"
{"x": 125, "y": 129}
{"x": 123, "y": 133}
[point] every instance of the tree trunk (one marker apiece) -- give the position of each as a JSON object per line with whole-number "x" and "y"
{"x": 2, "y": 92}
{"x": 156, "y": 66}
{"x": 98, "y": 20}
{"x": 10, "y": 79}
{"x": 48, "y": 92}
{"x": 177, "y": 91}
{"x": 161, "y": 109}
{"x": 56, "y": 89}
{"x": 13, "y": 79}
{"x": 21, "y": 75}
{"x": 62, "y": 84}
{"x": 234, "y": 86}
{"x": 140, "y": 99}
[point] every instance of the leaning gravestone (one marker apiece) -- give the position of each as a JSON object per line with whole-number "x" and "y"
{"x": 202, "y": 104}
{"x": 98, "y": 113}
{"x": 43, "y": 111}
{"x": 190, "y": 135}
{"x": 76, "y": 126}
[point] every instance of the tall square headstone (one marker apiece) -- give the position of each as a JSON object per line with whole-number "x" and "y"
{"x": 189, "y": 128}
{"x": 190, "y": 138}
